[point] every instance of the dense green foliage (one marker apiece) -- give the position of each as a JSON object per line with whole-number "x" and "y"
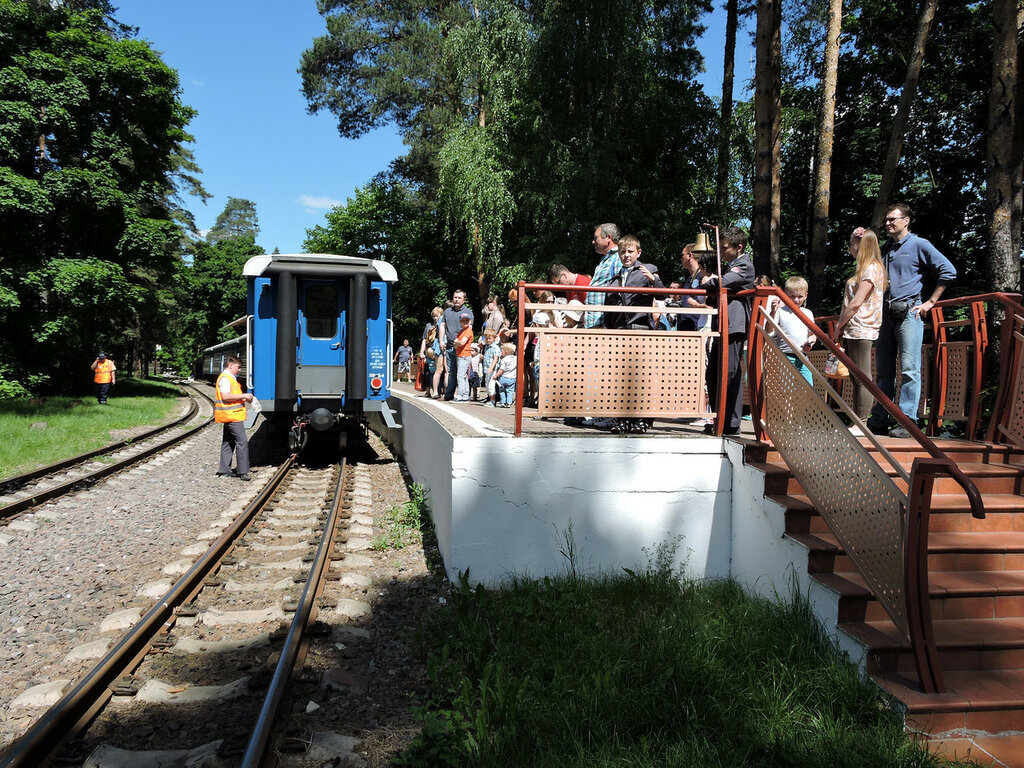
{"x": 91, "y": 146}
{"x": 209, "y": 288}
{"x": 942, "y": 168}
{"x": 528, "y": 123}
{"x": 644, "y": 670}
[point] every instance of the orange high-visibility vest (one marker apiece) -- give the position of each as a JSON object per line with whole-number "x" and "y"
{"x": 103, "y": 370}
{"x": 224, "y": 413}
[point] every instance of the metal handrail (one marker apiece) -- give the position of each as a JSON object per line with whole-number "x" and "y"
{"x": 761, "y": 295}
{"x": 1007, "y": 383}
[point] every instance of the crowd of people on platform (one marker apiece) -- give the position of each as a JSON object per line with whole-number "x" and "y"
{"x": 882, "y": 306}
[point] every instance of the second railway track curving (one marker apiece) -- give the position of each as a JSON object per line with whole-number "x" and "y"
{"x": 37, "y": 486}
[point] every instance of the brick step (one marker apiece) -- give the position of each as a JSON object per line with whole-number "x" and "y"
{"x": 950, "y": 513}
{"x": 946, "y": 552}
{"x": 953, "y": 595}
{"x": 963, "y": 644}
{"x": 988, "y": 478}
{"x": 906, "y": 451}
{"x": 975, "y": 700}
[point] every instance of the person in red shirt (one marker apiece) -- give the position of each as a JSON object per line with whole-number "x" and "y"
{"x": 560, "y": 275}
{"x": 463, "y": 351}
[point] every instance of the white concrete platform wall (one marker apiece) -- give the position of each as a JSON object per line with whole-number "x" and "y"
{"x": 768, "y": 563}
{"x": 537, "y": 506}
{"x": 506, "y": 505}
{"x": 511, "y": 506}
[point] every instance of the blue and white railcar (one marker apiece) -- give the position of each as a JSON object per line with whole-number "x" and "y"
{"x": 319, "y": 340}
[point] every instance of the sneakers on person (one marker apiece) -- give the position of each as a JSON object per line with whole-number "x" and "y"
{"x": 226, "y": 474}
{"x": 245, "y": 477}
{"x": 898, "y": 431}
{"x": 489, "y": 404}
{"x": 604, "y": 423}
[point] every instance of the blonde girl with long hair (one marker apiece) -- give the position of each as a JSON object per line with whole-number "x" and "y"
{"x": 861, "y": 317}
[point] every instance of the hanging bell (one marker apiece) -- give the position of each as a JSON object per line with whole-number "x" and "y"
{"x": 702, "y": 245}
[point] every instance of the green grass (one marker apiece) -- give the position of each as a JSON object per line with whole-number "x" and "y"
{"x": 74, "y": 426}
{"x": 404, "y": 522}
{"x": 644, "y": 670}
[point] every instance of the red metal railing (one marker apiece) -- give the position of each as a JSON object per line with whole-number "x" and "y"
{"x": 521, "y": 330}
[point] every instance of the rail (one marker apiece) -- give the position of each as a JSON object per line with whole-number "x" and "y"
{"x": 656, "y": 373}
{"x": 77, "y": 707}
{"x": 46, "y": 494}
{"x": 16, "y": 481}
{"x": 882, "y": 529}
{"x": 256, "y": 749}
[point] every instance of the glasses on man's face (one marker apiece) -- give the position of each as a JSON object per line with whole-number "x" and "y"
{"x": 890, "y": 219}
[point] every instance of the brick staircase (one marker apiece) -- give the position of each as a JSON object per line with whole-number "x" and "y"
{"x": 976, "y": 578}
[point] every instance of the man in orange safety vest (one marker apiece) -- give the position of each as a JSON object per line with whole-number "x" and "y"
{"x": 229, "y": 410}
{"x": 104, "y": 376}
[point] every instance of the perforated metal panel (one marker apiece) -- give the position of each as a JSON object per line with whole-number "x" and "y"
{"x": 845, "y": 386}
{"x": 621, "y": 373}
{"x": 1014, "y": 428}
{"x": 861, "y": 504}
{"x": 958, "y": 372}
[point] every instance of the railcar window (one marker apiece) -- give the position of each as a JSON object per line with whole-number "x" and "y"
{"x": 321, "y": 311}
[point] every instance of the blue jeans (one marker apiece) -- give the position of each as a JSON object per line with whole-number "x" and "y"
{"x": 507, "y": 389}
{"x": 903, "y": 336}
{"x": 802, "y": 369}
{"x": 451, "y": 358}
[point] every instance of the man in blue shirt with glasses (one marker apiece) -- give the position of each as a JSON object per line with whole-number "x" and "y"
{"x": 908, "y": 258}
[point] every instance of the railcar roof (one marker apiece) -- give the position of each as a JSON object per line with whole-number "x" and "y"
{"x": 317, "y": 264}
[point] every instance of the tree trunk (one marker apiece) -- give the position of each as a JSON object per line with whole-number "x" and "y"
{"x": 725, "y": 125}
{"x": 1017, "y": 203}
{"x": 899, "y": 126}
{"x": 767, "y": 147}
{"x": 823, "y": 164}
{"x": 1003, "y": 264}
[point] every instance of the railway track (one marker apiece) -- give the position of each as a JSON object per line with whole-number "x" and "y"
{"x": 206, "y": 670}
{"x": 28, "y": 490}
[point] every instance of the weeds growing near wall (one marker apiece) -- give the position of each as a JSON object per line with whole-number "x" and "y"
{"x": 404, "y": 522}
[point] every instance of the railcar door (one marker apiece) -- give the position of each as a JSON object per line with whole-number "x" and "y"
{"x": 320, "y": 357}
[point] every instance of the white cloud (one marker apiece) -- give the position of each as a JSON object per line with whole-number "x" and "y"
{"x": 317, "y": 203}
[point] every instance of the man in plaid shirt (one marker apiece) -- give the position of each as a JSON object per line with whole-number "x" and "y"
{"x": 606, "y": 243}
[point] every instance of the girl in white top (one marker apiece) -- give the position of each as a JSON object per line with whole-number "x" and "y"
{"x": 861, "y": 317}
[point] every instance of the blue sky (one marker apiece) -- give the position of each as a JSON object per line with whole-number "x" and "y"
{"x": 237, "y": 65}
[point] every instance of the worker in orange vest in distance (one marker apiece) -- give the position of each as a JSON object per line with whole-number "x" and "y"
{"x": 104, "y": 376}
{"x": 229, "y": 410}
